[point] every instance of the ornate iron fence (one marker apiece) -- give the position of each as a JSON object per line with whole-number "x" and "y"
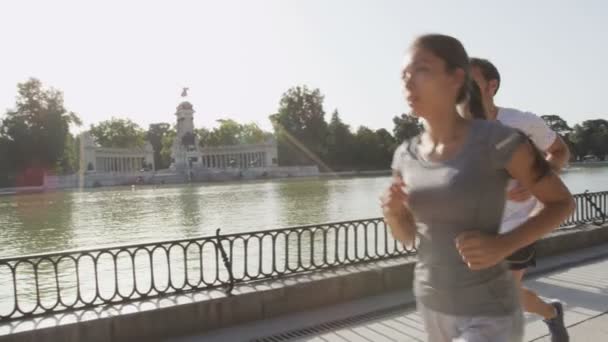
{"x": 39, "y": 284}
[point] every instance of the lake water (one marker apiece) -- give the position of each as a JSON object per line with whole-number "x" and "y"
{"x": 45, "y": 222}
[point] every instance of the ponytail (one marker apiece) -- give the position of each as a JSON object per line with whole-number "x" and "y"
{"x": 475, "y": 103}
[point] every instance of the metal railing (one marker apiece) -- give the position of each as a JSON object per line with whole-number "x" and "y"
{"x": 40, "y": 284}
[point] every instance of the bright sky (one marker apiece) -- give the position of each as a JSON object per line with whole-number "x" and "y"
{"x": 131, "y": 58}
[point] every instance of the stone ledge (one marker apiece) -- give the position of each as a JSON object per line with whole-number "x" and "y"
{"x": 197, "y": 312}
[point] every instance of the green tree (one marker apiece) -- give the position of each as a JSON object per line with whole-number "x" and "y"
{"x": 406, "y": 126}
{"x": 386, "y": 149}
{"x": 340, "y": 139}
{"x": 204, "y": 137}
{"x": 300, "y": 127}
{"x": 167, "y": 144}
{"x": 557, "y": 124}
{"x": 228, "y": 133}
{"x": 591, "y": 138}
{"x": 119, "y": 133}
{"x": 156, "y": 133}
{"x": 6, "y": 172}
{"x": 561, "y": 127}
{"x": 36, "y": 132}
{"x": 69, "y": 162}
{"x": 374, "y": 148}
{"x": 251, "y": 133}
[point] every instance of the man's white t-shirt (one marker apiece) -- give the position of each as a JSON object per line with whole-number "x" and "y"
{"x": 543, "y": 137}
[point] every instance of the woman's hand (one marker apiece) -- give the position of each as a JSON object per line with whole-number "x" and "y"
{"x": 394, "y": 200}
{"x": 480, "y": 250}
{"x": 397, "y": 213}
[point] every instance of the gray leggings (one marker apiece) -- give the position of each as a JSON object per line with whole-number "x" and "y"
{"x": 447, "y": 328}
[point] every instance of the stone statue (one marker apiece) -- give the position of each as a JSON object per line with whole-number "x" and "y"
{"x": 185, "y": 92}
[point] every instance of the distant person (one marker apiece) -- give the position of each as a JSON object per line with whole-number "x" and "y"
{"x": 449, "y": 189}
{"x": 520, "y": 203}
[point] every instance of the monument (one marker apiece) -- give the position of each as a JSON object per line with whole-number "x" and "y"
{"x": 187, "y": 155}
{"x": 185, "y": 152}
{"x": 115, "y": 160}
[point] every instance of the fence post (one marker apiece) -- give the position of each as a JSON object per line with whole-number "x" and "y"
{"x": 227, "y": 262}
{"x": 598, "y": 209}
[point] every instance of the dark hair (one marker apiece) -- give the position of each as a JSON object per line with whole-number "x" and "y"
{"x": 475, "y": 103}
{"x": 488, "y": 70}
{"x": 454, "y": 55}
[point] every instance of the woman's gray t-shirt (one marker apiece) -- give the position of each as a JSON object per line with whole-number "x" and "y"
{"x": 464, "y": 193}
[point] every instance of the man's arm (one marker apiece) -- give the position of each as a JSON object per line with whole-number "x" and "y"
{"x": 554, "y": 149}
{"x": 558, "y": 154}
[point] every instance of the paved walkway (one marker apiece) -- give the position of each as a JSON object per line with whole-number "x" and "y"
{"x": 583, "y": 288}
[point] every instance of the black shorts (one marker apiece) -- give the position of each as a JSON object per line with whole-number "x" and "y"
{"x": 522, "y": 258}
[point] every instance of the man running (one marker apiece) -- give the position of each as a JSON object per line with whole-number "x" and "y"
{"x": 520, "y": 204}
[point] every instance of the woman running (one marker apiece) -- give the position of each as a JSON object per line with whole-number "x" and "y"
{"x": 449, "y": 190}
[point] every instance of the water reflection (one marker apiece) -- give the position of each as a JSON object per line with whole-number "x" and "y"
{"x": 36, "y": 223}
{"x": 190, "y": 210}
{"x": 303, "y": 202}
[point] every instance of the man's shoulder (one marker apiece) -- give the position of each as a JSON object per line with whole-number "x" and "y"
{"x": 531, "y": 124}
{"x": 509, "y": 115}
{"x": 524, "y": 121}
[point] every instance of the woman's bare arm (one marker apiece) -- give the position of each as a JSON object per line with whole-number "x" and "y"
{"x": 548, "y": 188}
{"x": 397, "y": 213}
{"x": 481, "y": 250}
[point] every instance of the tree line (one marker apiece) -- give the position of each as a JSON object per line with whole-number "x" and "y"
{"x": 35, "y": 136}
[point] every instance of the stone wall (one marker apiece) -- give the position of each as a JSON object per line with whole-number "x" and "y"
{"x": 99, "y": 179}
